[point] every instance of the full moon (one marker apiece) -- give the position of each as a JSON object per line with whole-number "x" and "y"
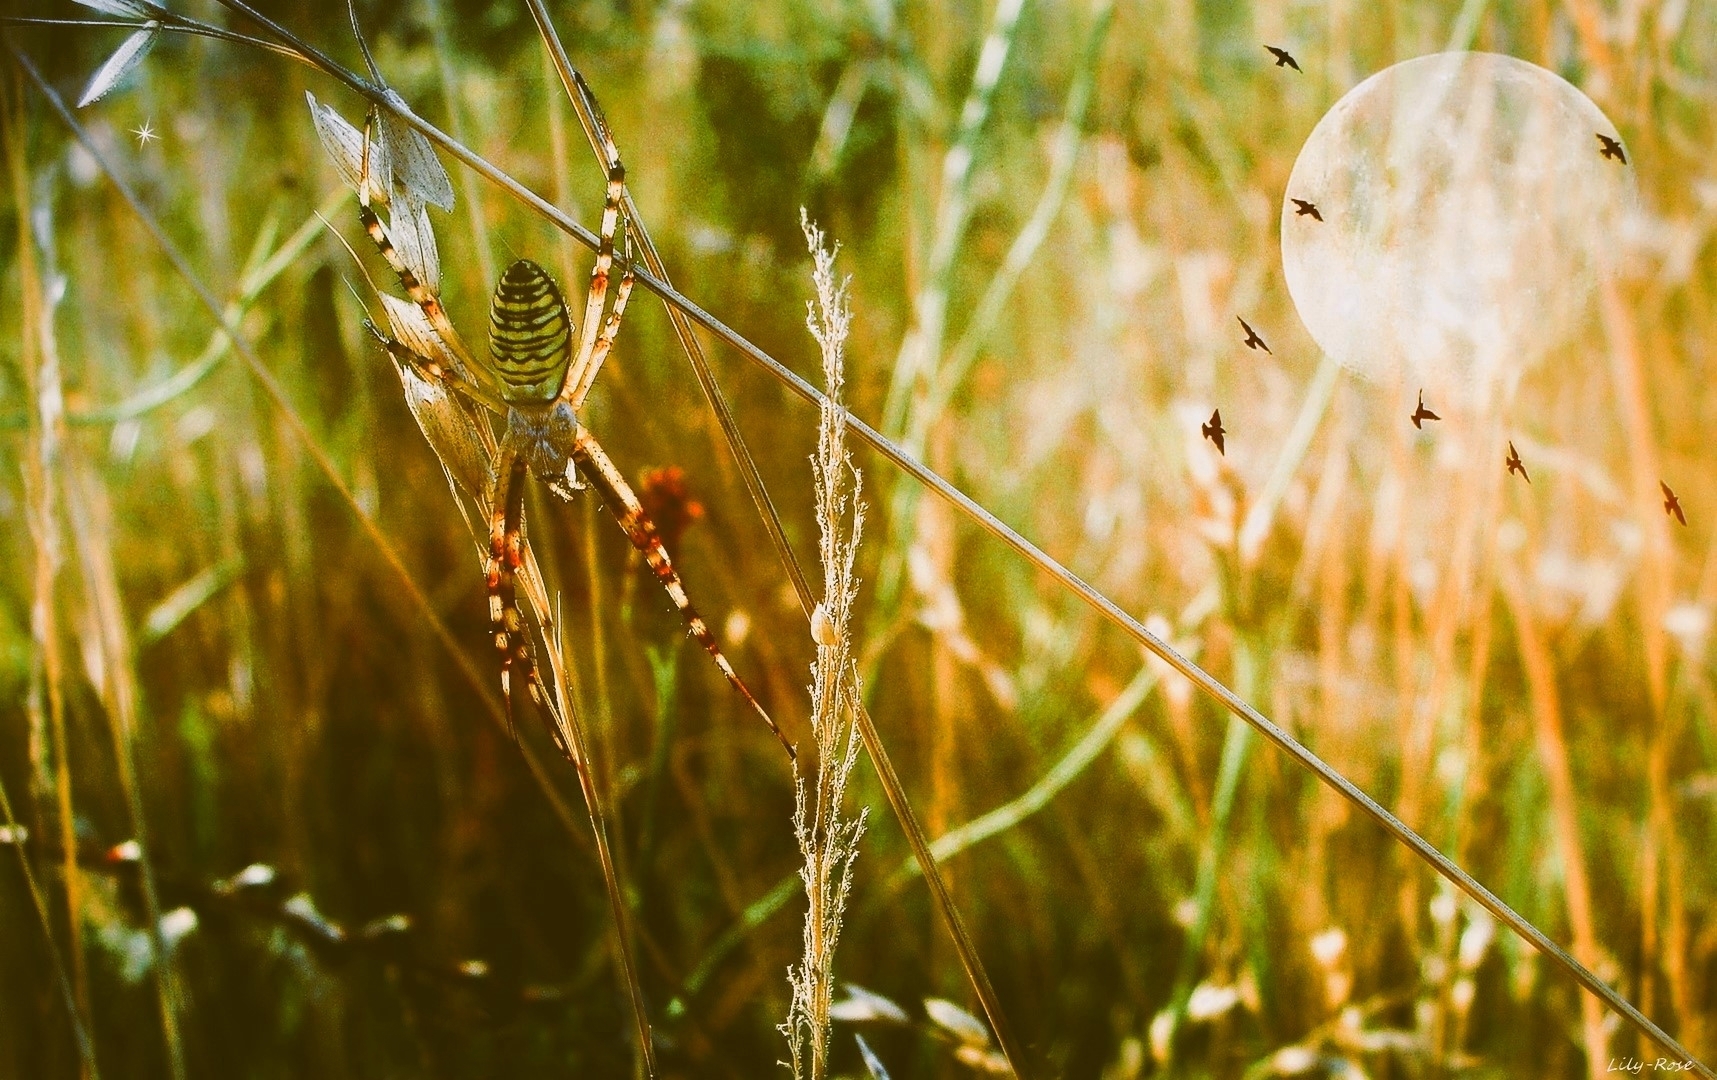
{"x": 1467, "y": 216}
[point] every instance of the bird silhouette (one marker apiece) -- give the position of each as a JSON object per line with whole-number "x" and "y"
{"x": 1514, "y": 465}
{"x": 1283, "y": 57}
{"x": 1422, "y": 413}
{"x": 1671, "y": 504}
{"x": 1610, "y": 148}
{"x": 1213, "y": 431}
{"x": 1302, "y": 208}
{"x": 1253, "y": 341}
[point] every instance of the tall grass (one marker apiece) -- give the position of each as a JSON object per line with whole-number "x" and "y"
{"x": 1523, "y": 673}
{"x": 828, "y": 838}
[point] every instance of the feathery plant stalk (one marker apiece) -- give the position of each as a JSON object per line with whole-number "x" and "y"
{"x": 827, "y": 839}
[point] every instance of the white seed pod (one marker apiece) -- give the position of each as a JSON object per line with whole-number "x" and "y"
{"x": 823, "y": 630}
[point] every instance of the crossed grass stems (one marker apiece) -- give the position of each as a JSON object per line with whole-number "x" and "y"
{"x": 684, "y": 314}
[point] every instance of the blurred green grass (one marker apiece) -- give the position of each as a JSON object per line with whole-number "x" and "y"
{"x": 304, "y": 716}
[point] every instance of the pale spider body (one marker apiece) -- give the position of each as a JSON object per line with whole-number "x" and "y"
{"x": 544, "y": 438}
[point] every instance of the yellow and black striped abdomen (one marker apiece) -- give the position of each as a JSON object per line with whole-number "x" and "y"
{"x": 529, "y": 334}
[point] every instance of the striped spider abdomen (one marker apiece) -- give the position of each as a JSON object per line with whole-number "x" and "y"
{"x": 530, "y": 335}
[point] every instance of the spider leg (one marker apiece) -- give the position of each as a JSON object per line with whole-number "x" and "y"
{"x": 470, "y": 372}
{"x": 600, "y": 470}
{"x": 506, "y": 556}
{"x": 595, "y": 336}
{"x": 411, "y": 219}
{"x": 577, "y": 389}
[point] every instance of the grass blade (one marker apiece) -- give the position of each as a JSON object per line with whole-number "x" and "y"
{"x": 129, "y": 54}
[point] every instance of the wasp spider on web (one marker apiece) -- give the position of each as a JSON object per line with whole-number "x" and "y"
{"x": 539, "y": 370}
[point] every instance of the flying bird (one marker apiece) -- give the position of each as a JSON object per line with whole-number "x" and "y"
{"x": 1671, "y": 504}
{"x": 1283, "y": 57}
{"x": 1514, "y": 465}
{"x": 1610, "y": 148}
{"x": 1422, "y": 413}
{"x": 1302, "y": 208}
{"x": 1253, "y": 341}
{"x": 1213, "y": 431}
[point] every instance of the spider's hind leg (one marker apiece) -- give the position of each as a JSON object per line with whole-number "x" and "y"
{"x": 608, "y": 481}
{"x": 506, "y": 556}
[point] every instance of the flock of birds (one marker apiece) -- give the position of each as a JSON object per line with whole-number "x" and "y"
{"x": 1212, "y": 429}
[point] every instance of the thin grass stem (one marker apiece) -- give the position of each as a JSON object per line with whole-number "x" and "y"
{"x": 1236, "y": 746}
{"x": 1564, "y": 810}
{"x": 39, "y": 903}
{"x": 45, "y": 419}
{"x": 568, "y": 694}
{"x": 1063, "y": 155}
{"x": 1071, "y": 766}
{"x": 91, "y": 532}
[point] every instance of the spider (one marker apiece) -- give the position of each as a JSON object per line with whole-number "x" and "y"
{"x": 535, "y": 375}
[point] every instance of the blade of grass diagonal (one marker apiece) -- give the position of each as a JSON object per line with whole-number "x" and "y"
{"x": 45, "y": 698}
{"x": 86, "y": 1048}
{"x": 1038, "y": 796}
{"x": 265, "y": 265}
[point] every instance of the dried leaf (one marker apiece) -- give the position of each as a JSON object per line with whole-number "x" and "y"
{"x": 387, "y": 926}
{"x": 862, "y": 1006}
{"x": 414, "y": 240}
{"x": 344, "y": 143}
{"x": 452, "y": 427}
{"x": 871, "y": 1061}
{"x": 176, "y": 925}
{"x": 352, "y": 152}
{"x": 416, "y": 170}
{"x": 129, "y": 54}
{"x": 1209, "y": 1001}
{"x": 957, "y": 1022}
{"x": 120, "y": 9}
{"x": 411, "y": 328}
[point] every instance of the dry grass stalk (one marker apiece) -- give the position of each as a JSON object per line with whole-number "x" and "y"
{"x": 828, "y": 840}
{"x": 1540, "y": 668}
{"x": 45, "y": 703}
